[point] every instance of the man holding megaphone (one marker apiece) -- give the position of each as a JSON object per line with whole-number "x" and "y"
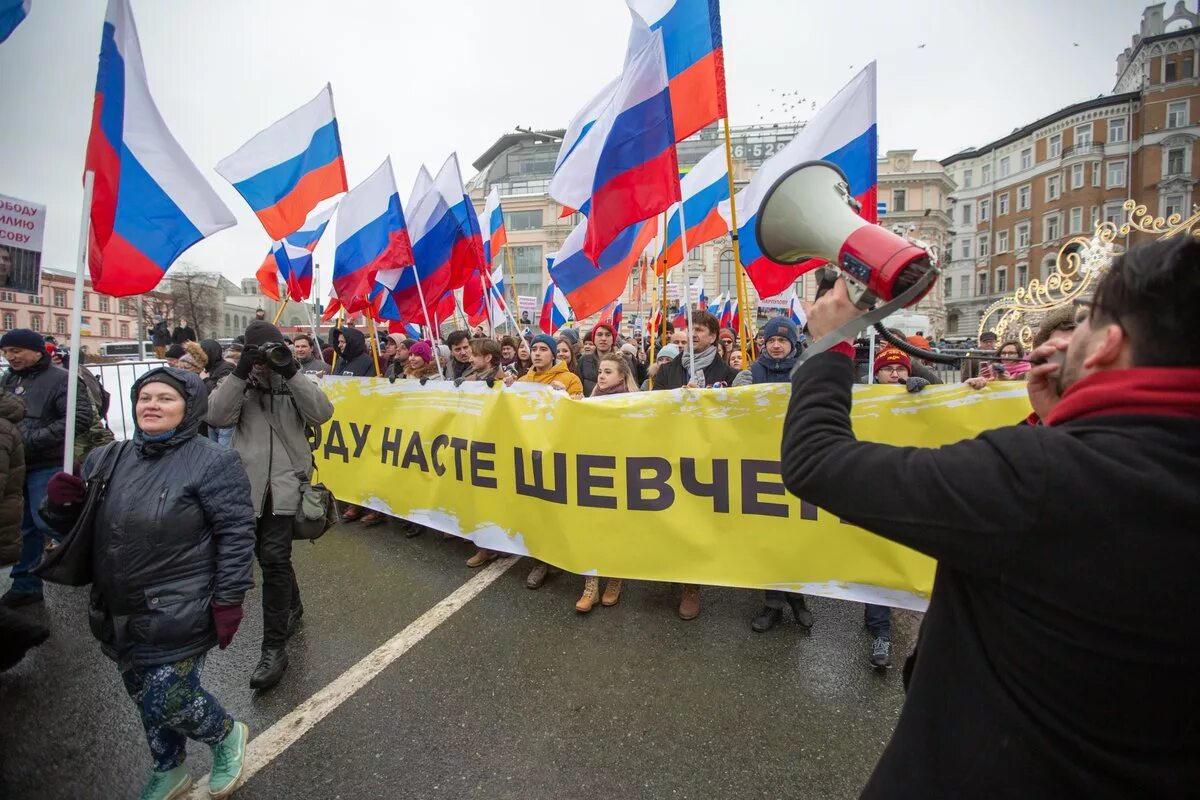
{"x": 1055, "y": 659}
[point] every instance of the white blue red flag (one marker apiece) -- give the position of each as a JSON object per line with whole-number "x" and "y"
{"x": 149, "y": 202}
{"x": 289, "y": 263}
{"x": 588, "y": 285}
{"x": 714, "y": 307}
{"x": 12, "y": 14}
{"x": 287, "y": 169}
{"x": 555, "y": 309}
{"x": 371, "y": 237}
{"x": 491, "y": 224}
{"x": 796, "y": 311}
{"x": 843, "y": 132}
{"x": 704, "y": 188}
{"x": 699, "y": 291}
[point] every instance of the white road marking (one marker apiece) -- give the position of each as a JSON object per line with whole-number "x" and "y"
{"x": 269, "y": 744}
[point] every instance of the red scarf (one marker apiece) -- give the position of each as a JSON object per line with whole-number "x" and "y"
{"x": 1158, "y": 391}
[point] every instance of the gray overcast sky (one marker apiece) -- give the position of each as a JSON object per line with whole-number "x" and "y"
{"x": 418, "y": 80}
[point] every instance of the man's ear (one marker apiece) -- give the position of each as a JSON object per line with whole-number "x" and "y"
{"x": 1110, "y": 352}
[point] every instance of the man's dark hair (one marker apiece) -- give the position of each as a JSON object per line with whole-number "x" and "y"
{"x": 455, "y": 337}
{"x": 487, "y": 347}
{"x": 707, "y": 320}
{"x": 306, "y": 337}
{"x": 1153, "y": 293}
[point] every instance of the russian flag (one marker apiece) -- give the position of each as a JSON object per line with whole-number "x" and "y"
{"x": 796, "y": 311}
{"x": 701, "y": 297}
{"x": 728, "y": 313}
{"x": 149, "y": 202}
{"x": 844, "y": 132}
{"x": 714, "y": 308}
{"x": 285, "y": 170}
{"x": 704, "y": 188}
{"x": 332, "y": 307}
{"x": 625, "y": 166}
{"x": 289, "y": 267}
{"x": 12, "y": 14}
{"x": 680, "y": 320}
{"x": 371, "y": 236}
{"x": 591, "y": 286}
{"x": 691, "y": 32}
{"x": 467, "y": 255}
{"x": 310, "y": 232}
{"x": 555, "y": 309}
{"x": 491, "y": 224}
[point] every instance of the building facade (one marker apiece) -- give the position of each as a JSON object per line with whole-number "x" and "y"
{"x": 1020, "y": 199}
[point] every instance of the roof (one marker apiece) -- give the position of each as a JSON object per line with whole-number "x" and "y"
{"x": 1062, "y": 113}
{"x": 511, "y": 139}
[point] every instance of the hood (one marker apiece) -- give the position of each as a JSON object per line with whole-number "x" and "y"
{"x": 212, "y": 351}
{"x": 12, "y": 408}
{"x": 195, "y": 397}
{"x": 356, "y": 343}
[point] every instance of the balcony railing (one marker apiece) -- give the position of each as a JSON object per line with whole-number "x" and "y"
{"x": 1080, "y": 150}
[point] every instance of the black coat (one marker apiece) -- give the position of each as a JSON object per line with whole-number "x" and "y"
{"x": 1053, "y": 661}
{"x": 674, "y": 375}
{"x": 175, "y": 533}
{"x": 160, "y": 334}
{"x": 354, "y": 360}
{"x": 43, "y": 389}
{"x": 181, "y": 335}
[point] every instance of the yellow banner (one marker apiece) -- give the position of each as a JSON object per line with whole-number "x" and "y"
{"x": 679, "y": 486}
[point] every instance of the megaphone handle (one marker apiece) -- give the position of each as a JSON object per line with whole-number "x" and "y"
{"x": 848, "y": 329}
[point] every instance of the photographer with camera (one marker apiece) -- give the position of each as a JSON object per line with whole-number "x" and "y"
{"x": 271, "y": 404}
{"x": 1052, "y": 661}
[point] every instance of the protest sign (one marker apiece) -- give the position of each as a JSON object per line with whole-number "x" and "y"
{"x": 22, "y": 227}
{"x": 679, "y": 486}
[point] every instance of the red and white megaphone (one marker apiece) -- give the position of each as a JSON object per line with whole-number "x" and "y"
{"x": 809, "y": 213}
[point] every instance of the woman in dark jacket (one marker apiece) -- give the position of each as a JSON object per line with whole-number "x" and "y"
{"x": 172, "y": 562}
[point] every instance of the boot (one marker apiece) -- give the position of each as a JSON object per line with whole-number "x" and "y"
{"x": 804, "y": 617}
{"x": 371, "y": 518}
{"x": 270, "y": 668}
{"x": 689, "y": 604}
{"x": 591, "y": 593}
{"x": 612, "y": 592}
{"x": 411, "y": 530}
{"x": 768, "y": 618}
{"x": 228, "y": 760}
{"x": 537, "y": 575}
{"x": 351, "y": 513}
{"x": 169, "y": 785}
{"x": 481, "y": 557}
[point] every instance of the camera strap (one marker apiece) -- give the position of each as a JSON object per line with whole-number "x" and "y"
{"x": 851, "y": 328}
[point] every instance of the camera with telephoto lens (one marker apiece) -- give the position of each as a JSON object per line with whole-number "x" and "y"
{"x": 277, "y": 354}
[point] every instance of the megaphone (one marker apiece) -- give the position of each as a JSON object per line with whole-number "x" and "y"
{"x": 809, "y": 213}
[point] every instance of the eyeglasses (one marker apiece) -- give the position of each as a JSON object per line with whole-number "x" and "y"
{"x": 894, "y": 369}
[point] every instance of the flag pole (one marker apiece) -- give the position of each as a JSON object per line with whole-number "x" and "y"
{"x": 666, "y": 270}
{"x": 739, "y": 278}
{"x": 687, "y": 301}
{"x": 374, "y": 341}
{"x": 279, "y": 313}
{"x": 434, "y": 333}
{"x": 512, "y": 285}
{"x": 650, "y": 333}
{"x": 337, "y": 324}
{"x": 81, "y": 266}
{"x": 314, "y": 311}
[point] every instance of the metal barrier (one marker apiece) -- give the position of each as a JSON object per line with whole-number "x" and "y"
{"x": 118, "y": 380}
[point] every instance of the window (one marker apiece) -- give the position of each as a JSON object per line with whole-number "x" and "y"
{"x": 103, "y": 303}
{"x": 981, "y": 282}
{"x": 10, "y": 321}
{"x": 1053, "y": 187}
{"x": 984, "y": 248}
{"x": 1027, "y": 158}
{"x": 985, "y": 210}
{"x": 1001, "y": 241}
{"x": 1094, "y": 216}
{"x": 1002, "y": 205}
{"x": 964, "y": 288}
{"x": 967, "y": 219}
{"x": 1083, "y": 135}
{"x": 1001, "y": 281}
{"x": 964, "y": 250}
{"x": 60, "y": 298}
{"x": 985, "y": 174}
{"x": 899, "y": 200}
{"x": 1054, "y": 146}
{"x": 1096, "y": 173}
{"x": 949, "y": 286}
{"x": 1023, "y": 236}
{"x": 1022, "y": 275}
{"x": 1023, "y": 198}
{"x": 727, "y": 277}
{"x": 124, "y": 330}
{"x": 8, "y": 297}
{"x": 1172, "y": 204}
{"x": 1076, "y": 220}
{"x": 528, "y": 266}
{"x": 1005, "y": 166}
{"x": 1171, "y": 71}
{"x": 1116, "y": 130}
{"x": 1051, "y": 228}
{"x": 1177, "y": 114}
{"x": 1186, "y": 66}
{"x": 1174, "y": 163}
{"x": 523, "y": 220}
{"x": 1077, "y": 176}
{"x": 60, "y": 325}
{"x": 968, "y": 178}
{"x": 35, "y": 322}
{"x": 1113, "y": 213}
{"x": 35, "y": 299}
{"x": 105, "y": 328}
{"x": 1116, "y": 174}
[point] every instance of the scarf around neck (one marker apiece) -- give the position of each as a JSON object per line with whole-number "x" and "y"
{"x": 618, "y": 388}
{"x": 704, "y": 359}
{"x": 1156, "y": 391}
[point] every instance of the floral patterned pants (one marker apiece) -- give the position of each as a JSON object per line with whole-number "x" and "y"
{"x": 174, "y": 708}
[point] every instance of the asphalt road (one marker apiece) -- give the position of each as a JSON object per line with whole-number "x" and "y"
{"x": 513, "y": 696}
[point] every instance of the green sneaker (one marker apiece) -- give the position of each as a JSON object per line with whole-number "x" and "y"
{"x": 167, "y": 785}
{"x": 228, "y": 758}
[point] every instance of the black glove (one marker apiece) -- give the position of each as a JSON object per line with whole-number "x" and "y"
{"x": 251, "y": 356}
{"x": 286, "y": 371}
{"x": 915, "y": 384}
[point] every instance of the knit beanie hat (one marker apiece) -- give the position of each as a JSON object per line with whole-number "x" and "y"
{"x": 259, "y": 332}
{"x": 667, "y": 351}
{"x": 568, "y": 333}
{"x": 891, "y": 356}
{"x": 545, "y": 339}
{"x": 24, "y": 338}
{"x": 726, "y": 333}
{"x": 607, "y": 326}
{"x": 780, "y": 326}
{"x": 422, "y": 350}
{"x": 1054, "y": 319}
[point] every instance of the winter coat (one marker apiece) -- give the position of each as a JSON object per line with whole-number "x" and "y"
{"x": 766, "y": 370}
{"x": 217, "y": 366}
{"x": 160, "y": 335}
{"x": 1052, "y": 661}
{"x": 314, "y": 366}
{"x": 43, "y": 389}
{"x": 12, "y": 477}
{"x": 271, "y": 436}
{"x": 558, "y": 372}
{"x": 174, "y": 534}
{"x": 354, "y": 360}
{"x": 458, "y": 369}
{"x": 674, "y": 375}
{"x": 181, "y": 335}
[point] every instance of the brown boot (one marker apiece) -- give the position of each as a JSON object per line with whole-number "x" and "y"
{"x": 612, "y": 592}
{"x": 371, "y": 518}
{"x": 351, "y": 514}
{"x": 591, "y": 593}
{"x": 689, "y": 604}
{"x": 480, "y": 558}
